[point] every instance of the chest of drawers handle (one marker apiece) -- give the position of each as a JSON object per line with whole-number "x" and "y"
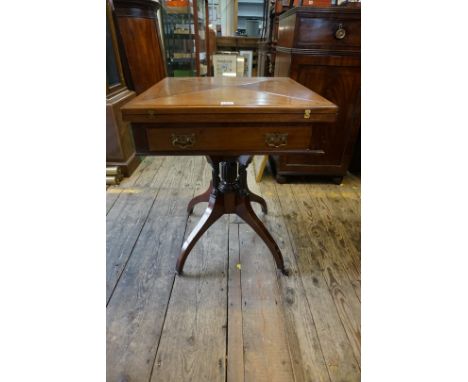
{"x": 340, "y": 32}
{"x": 276, "y": 139}
{"x": 183, "y": 141}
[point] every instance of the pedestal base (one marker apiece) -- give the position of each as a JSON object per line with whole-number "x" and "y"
{"x": 228, "y": 194}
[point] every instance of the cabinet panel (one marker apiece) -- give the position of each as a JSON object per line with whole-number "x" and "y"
{"x": 139, "y": 31}
{"x": 337, "y": 79}
{"x": 120, "y": 150}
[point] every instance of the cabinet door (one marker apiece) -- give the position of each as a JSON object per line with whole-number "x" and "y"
{"x": 139, "y": 29}
{"x": 338, "y": 80}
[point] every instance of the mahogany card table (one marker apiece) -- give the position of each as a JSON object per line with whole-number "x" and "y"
{"x": 229, "y": 119}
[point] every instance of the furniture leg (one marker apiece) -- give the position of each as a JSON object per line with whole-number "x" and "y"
{"x": 337, "y": 180}
{"x": 244, "y": 161}
{"x": 245, "y": 211}
{"x": 258, "y": 199}
{"x": 212, "y": 213}
{"x": 281, "y": 179}
{"x": 229, "y": 193}
{"x": 205, "y": 197}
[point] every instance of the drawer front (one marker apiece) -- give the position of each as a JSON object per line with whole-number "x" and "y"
{"x": 265, "y": 139}
{"x": 329, "y": 33}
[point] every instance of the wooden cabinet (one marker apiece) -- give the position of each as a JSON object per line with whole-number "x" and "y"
{"x": 142, "y": 57}
{"x": 120, "y": 150}
{"x": 320, "y": 48}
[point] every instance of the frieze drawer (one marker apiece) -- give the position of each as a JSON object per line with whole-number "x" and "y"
{"x": 324, "y": 33}
{"x": 229, "y": 139}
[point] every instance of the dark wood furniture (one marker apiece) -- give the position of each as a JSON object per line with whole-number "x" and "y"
{"x": 320, "y": 48}
{"x": 228, "y": 119}
{"x": 138, "y": 29}
{"x": 120, "y": 150}
{"x": 355, "y": 163}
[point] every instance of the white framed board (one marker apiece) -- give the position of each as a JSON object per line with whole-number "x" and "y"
{"x": 248, "y": 55}
{"x": 224, "y": 65}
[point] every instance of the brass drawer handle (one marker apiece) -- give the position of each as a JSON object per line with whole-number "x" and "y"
{"x": 276, "y": 139}
{"x": 340, "y": 32}
{"x": 183, "y": 140}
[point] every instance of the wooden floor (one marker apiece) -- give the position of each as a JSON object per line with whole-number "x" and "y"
{"x": 231, "y": 316}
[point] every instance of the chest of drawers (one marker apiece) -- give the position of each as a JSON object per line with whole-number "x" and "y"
{"x": 320, "y": 48}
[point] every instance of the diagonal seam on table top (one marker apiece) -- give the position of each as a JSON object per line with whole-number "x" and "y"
{"x": 286, "y": 96}
{"x": 168, "y": 100}
{"x": 265, "y": 90}
{"x": 203, "y": 87}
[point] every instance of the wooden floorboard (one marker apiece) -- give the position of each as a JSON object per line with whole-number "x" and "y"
{"x": 266, "y": 351}
{"x": 231, "y": 316}
{"x": 136, "y": 312}
{"x": 124, "y": 224}
{"x": 325, "y": 300}
{"x": 341, "y": 229}
{"x": 193, "y": 340}
{"x": 307, "y": 357}
{"x": 335, "y": 272}
{"x": 112, "y": 194}
{"x": 304, "y": 344}
{"x": 235, "y": 339}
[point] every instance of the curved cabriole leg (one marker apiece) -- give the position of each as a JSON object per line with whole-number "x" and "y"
{"x": 258, "y": 199}
{"x": 212, "y": 213}
{"x": 229, "y": 193}
{"x": 245, "y": 211}
{"x": 205, "y": 197}
{"x": 244, "y": 161}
